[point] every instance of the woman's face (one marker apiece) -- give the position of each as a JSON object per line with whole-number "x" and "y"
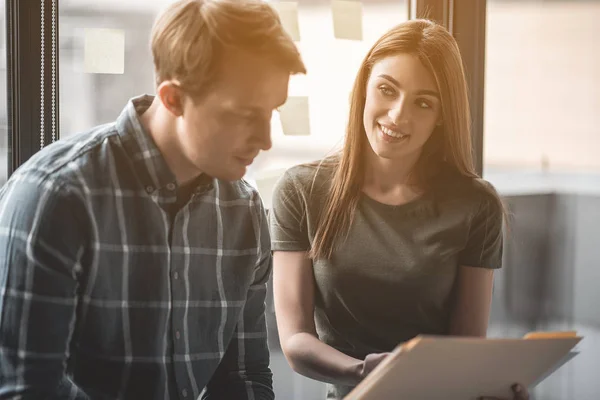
{"x": 402, "y": 107}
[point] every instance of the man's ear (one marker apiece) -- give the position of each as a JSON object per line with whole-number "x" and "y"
{"x": 171, "y": 96}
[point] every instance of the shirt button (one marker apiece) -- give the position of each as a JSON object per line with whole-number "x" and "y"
{"x": 184, "y": 393}
{"x": 149, "y": 189}
{"x": 171, "y": 186}
{"x": 177, "y": 335}
{"x": 175, "y": 275}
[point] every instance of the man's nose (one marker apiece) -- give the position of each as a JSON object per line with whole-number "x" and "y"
{"x": 262, "y": 136}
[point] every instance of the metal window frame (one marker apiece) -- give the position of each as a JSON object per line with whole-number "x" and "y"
{"x": 32, "y": 77}
{"x": 465, "y": 19}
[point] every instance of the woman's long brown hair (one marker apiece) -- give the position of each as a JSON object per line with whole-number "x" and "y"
{"x": 451, "y": 144}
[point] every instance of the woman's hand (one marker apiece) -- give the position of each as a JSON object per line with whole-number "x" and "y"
{"x": 370, "y": 362}
{"x": 520, "y": 393}
{"x": 373, "y": 360}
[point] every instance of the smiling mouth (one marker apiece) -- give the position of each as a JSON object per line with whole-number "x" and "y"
{"x": 391, "y": 133}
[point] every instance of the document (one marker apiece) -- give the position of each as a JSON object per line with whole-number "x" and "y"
{"x": 461, "y": 368}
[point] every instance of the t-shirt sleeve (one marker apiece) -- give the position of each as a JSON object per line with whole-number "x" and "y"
{"x": 287, "y": 217}
{"x": 485, "y": 239}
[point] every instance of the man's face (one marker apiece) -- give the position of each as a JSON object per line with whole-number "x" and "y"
{"x": 222, "y": 132}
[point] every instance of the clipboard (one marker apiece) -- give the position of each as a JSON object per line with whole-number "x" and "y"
{"x": 463, "y": 368}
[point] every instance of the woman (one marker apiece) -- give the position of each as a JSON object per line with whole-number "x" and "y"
{"x": 396, "y": 235}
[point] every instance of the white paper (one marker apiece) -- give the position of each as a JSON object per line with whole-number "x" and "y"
{"x": 104, "y": 51}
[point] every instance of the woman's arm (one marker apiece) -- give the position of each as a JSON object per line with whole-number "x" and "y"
{"x": 294, "y": 289}
{"x": 471, "y": 311}
{"x": 473, "y": 298}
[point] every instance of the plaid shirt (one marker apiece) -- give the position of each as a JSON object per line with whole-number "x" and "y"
{"x": 106, "y": 294}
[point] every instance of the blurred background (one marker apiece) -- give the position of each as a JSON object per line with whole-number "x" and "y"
{"x": 541, "y": 139}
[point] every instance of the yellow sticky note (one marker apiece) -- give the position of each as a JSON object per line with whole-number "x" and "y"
{"x": 347, "y": 19}
{"x": 294, "y": 116}
{"x": 104, "y": 51}
{"x": 288, "y": 13}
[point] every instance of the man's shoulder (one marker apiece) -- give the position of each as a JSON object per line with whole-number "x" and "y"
{"x": 57, "y": 175}
{"x": 63, "y": 161}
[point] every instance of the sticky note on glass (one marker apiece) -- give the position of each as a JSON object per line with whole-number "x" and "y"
{"x": 288, "y": 13}
{"x": 294, "y": 116}
{"x": 104, "y": 51}
{"x": 347, "y": 19}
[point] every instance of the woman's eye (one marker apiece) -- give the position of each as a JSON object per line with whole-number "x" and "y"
{"x": 386, "y": 90}
{"x": 423, "y": 104}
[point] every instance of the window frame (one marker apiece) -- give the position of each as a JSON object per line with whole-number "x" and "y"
{"x": 32, "y": 70}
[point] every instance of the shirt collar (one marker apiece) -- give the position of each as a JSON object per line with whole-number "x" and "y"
{"x": 145, "y": 156}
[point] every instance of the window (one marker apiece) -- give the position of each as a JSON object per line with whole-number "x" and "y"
{"x": 89, "y": 99}
{"x": 541, "y": 142}
{"x": 331, "y": 65}
{"x": 542, "y": 85}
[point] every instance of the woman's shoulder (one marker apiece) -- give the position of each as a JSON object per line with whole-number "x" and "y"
{"x": 304, "y": 186}
{"x": 310, "y": 178}
{"x": 472, "y": 190}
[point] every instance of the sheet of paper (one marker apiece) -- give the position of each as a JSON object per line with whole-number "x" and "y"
{"x": 294, "y": 116}
{"x": 347, "y": 19}
{"x": 288, "y": 13}
{"x": 104, "y": 51}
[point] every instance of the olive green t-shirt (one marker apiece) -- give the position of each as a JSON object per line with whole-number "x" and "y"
{"x": 393, "y": 277}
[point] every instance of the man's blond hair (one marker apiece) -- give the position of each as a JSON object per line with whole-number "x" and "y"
{"x": 189, "y": 36}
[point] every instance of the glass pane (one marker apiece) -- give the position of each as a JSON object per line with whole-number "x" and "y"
{"x": 332, "y": 65}
{"x": 89, "y": 99}
{"x": 541, "y": 145}
{"x": 4, "y": 150}
{"x": 543, "y": 85}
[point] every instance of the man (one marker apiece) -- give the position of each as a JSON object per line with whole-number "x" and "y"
{"x": 133, "y": 258}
